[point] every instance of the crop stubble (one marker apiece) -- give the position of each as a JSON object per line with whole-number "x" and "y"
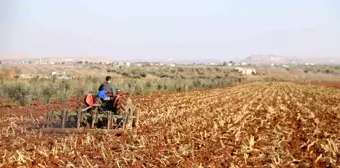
{"x": 256, "y": 125}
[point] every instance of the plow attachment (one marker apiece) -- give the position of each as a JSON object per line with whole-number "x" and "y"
{"x": 81, "y": 131}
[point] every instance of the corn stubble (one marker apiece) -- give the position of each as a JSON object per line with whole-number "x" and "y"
{"x": 255, "y": 125}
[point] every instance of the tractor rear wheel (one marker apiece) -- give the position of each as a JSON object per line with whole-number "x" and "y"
{"x": 127, "y": 111}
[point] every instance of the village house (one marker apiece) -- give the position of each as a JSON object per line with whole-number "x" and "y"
{"x": 246, "y": 71}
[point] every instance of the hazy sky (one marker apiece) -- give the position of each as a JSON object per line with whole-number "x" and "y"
{"x": 189, "y": 29}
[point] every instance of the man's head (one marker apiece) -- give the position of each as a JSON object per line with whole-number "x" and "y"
{"x": 108, "y": 79}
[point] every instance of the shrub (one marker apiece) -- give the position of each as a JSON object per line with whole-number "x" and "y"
{"x": 129, "y": 85}
{"x": 64, "y": 91}
{"x": 92, "y": 85}
{"x": 20, "y": 93}
{"x": 35, "y": 91}
{"x": 328, "y": 71}
{"x": 48, "y": 91}
{"x": 197, "y": 83}
{"x": 164, "y": 75}
{"x": 2, "y": 89}
{"x": 80, "y": 92}
{"x": 159, "y": 87}
{"x": 148, "y": 84}
{"x": 180, "y": 69}
{"x": 125, "y": 74}
{"x": 143, "y": 74}
{"x": 138, "y": 90}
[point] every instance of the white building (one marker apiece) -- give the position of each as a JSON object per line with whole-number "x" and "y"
{"x": 246, "y": 71}
{"x": 55, "y": 73}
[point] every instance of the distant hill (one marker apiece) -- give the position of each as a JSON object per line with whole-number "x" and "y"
{"x": 55, "y": 59}
{"x": 15, "y": 57}
{"x": 189, "y": 61}
{"x": 77, "y": 59}
{"x": 175, "y": 60}
{"x": 270, "y": 59}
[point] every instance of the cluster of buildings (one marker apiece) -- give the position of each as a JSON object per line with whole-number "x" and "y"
{"x": 139, "y": 64}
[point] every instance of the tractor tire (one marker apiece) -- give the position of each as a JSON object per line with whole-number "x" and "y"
{"x": 126, "y": 109}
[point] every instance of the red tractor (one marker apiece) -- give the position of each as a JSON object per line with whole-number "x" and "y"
{"x": 94, "y": 112}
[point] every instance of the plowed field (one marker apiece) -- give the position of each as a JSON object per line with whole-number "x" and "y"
{"x": 253, "y": 125}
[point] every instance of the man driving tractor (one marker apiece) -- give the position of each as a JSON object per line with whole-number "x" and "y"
{"x": 108, "y": 86}
{"x": 107, "y": 93}
{"x": 106, "y": 90}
